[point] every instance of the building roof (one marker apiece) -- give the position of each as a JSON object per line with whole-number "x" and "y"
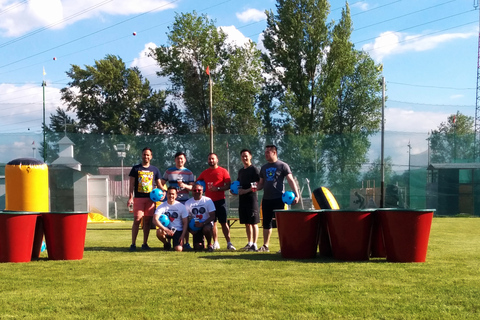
{"x": 444, "y": 166}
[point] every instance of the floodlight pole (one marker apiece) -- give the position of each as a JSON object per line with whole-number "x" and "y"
{"x": 44, "y": 84}
{"x": 382, "y": 147}
{"x": 211, "y": 113}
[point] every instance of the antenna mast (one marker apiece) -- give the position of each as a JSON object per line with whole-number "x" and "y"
{"x": 477, "y": 101}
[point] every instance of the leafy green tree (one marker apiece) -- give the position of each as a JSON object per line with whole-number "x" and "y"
{"x": 453, "y": 140}
{"x": 374, "y": 171}
{"x": 194, "y": 43}
{"x": 109, "y": 97}
{"x": 297, "y": 38}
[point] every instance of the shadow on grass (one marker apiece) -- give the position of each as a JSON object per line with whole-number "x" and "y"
{"x": 278, "y": 257}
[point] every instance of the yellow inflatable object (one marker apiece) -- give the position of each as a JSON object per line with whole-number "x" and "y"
{"x": 26, "y": 185}
{"x": 322, "y": 198}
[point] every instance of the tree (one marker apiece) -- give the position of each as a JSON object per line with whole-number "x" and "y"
{"x": 109, "y": 97}
{"x": 297, "y": 38}
{"x": 453, "y": 140}
{"x": 194, "y": 43}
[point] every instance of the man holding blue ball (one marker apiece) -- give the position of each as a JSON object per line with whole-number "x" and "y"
{"x": 143, "y": 179}
{"x": 201, "y": 209}
{"x": 272, "y": 175}
{"x": 178, "y": 226}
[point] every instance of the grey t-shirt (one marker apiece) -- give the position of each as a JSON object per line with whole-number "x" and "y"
{"x": 273, "y": 175}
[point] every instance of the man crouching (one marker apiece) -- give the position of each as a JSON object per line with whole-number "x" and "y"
{"x": 202, "y": 209}
{"x": 178, "y": 226}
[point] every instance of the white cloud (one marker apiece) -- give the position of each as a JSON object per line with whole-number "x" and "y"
{"x": 234, "y": 36}
{"x": 457, "y": 96}
{"x": 147, "y": 64}
{"x": 403, "y": 120}
{"x": 363, "y": 6}
{"x": 18, "y": 19}
{"x": 21, "y": 107}
{"x": 251, "y": 15}
{"x": 391, "y": 43}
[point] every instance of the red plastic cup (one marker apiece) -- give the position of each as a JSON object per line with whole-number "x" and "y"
{"x": 298, "y": 232}
{"x": 406, "y": 233}
{"x": 17, "y": 230}
{"x": 350, "y": 233}
{"x": 65, "y": 234}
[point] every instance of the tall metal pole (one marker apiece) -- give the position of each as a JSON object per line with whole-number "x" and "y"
{"x": 476, "y": 148}
{"x": 211, "y": 113}
{"x": 44, "y": 84}
{"x": 382, "y": 147}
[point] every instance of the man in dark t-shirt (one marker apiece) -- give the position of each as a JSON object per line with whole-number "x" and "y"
{"x": 248, "y": 211}
{"x": 272, "y": 175}
{"x": 143, "y": 179}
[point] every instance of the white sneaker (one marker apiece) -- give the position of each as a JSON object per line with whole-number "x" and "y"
{"x": 216, "y": 245}
{"x": 231, "y": 247}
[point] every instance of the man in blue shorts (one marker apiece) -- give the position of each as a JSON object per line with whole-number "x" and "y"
{"x": 272, "y": 175}
{"x": 178, "y": 226}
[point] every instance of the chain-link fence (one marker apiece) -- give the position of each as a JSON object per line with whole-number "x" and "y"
{"x": 86, "y": 170}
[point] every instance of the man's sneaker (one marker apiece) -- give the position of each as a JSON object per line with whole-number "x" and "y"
{"x": 216, "y": 245}
{"x": 253, "y": 248}
{"x": 145, "y": 247}
{"x": 247, "y": 247}
{"x": 231, "y": 247}
{"x": 133, "y": 248}
{"x": 167, "y": 246}
{"x": 263, "y": 248}
{"x": 187, "y": 247}
{"x": 210, "y": 248}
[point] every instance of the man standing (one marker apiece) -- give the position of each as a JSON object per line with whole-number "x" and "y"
{"x": 178, "y": 226}
{"x": 248, "y": 211}
{"x": 217, "y": 180}
{"x": 181, "y": 178}
{"x": 202, "y": 209}
{"x": 272, "y": 175}
{"x": 143, "y": 177}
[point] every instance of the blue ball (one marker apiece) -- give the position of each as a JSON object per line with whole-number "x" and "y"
{"x": 164, "y": 220}
{"x": 191, "y": 225}
{"x": 288, "y": 197}
{"x": 234, "y": 187}
{"x": 156, "y": 195}
{"x": 202, "y": 183}
{"x": 44, "y": 246}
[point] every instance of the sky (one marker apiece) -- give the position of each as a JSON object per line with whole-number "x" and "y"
{"x": 429, "y": 52}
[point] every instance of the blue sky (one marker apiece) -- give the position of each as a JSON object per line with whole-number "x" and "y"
{"x": 428, "y": 50}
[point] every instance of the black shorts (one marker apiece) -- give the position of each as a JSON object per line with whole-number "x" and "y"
{"x": 268, "y": 210}
{"x": 248, "y": 211}
{"x": 220, "y": 211}
{"x": 176, "y": 238}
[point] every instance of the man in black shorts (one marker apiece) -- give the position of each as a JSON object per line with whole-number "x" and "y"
{"x": 248, "y": 211}
{"x": 272, "y": 175}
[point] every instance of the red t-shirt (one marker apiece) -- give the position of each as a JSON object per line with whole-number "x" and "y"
{"x": 219, "y": 177}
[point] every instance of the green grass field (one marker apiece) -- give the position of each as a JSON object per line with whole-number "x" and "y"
{"x": 112, "y": 283}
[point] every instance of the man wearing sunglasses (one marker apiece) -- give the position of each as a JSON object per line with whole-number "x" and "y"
{"x": 202, "y": 209}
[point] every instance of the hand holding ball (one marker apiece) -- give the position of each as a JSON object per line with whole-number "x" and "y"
{"x": 192, "y": 226}
{"x": 164, "y": 220}
{"x": 234, "y": 187}
{"x": 288, "y": 197}
{"x": 156, "y": 195}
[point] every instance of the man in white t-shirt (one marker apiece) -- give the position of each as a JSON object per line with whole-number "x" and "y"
{"x": 203, "y": 209}
{"x": 178, "y": 226}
